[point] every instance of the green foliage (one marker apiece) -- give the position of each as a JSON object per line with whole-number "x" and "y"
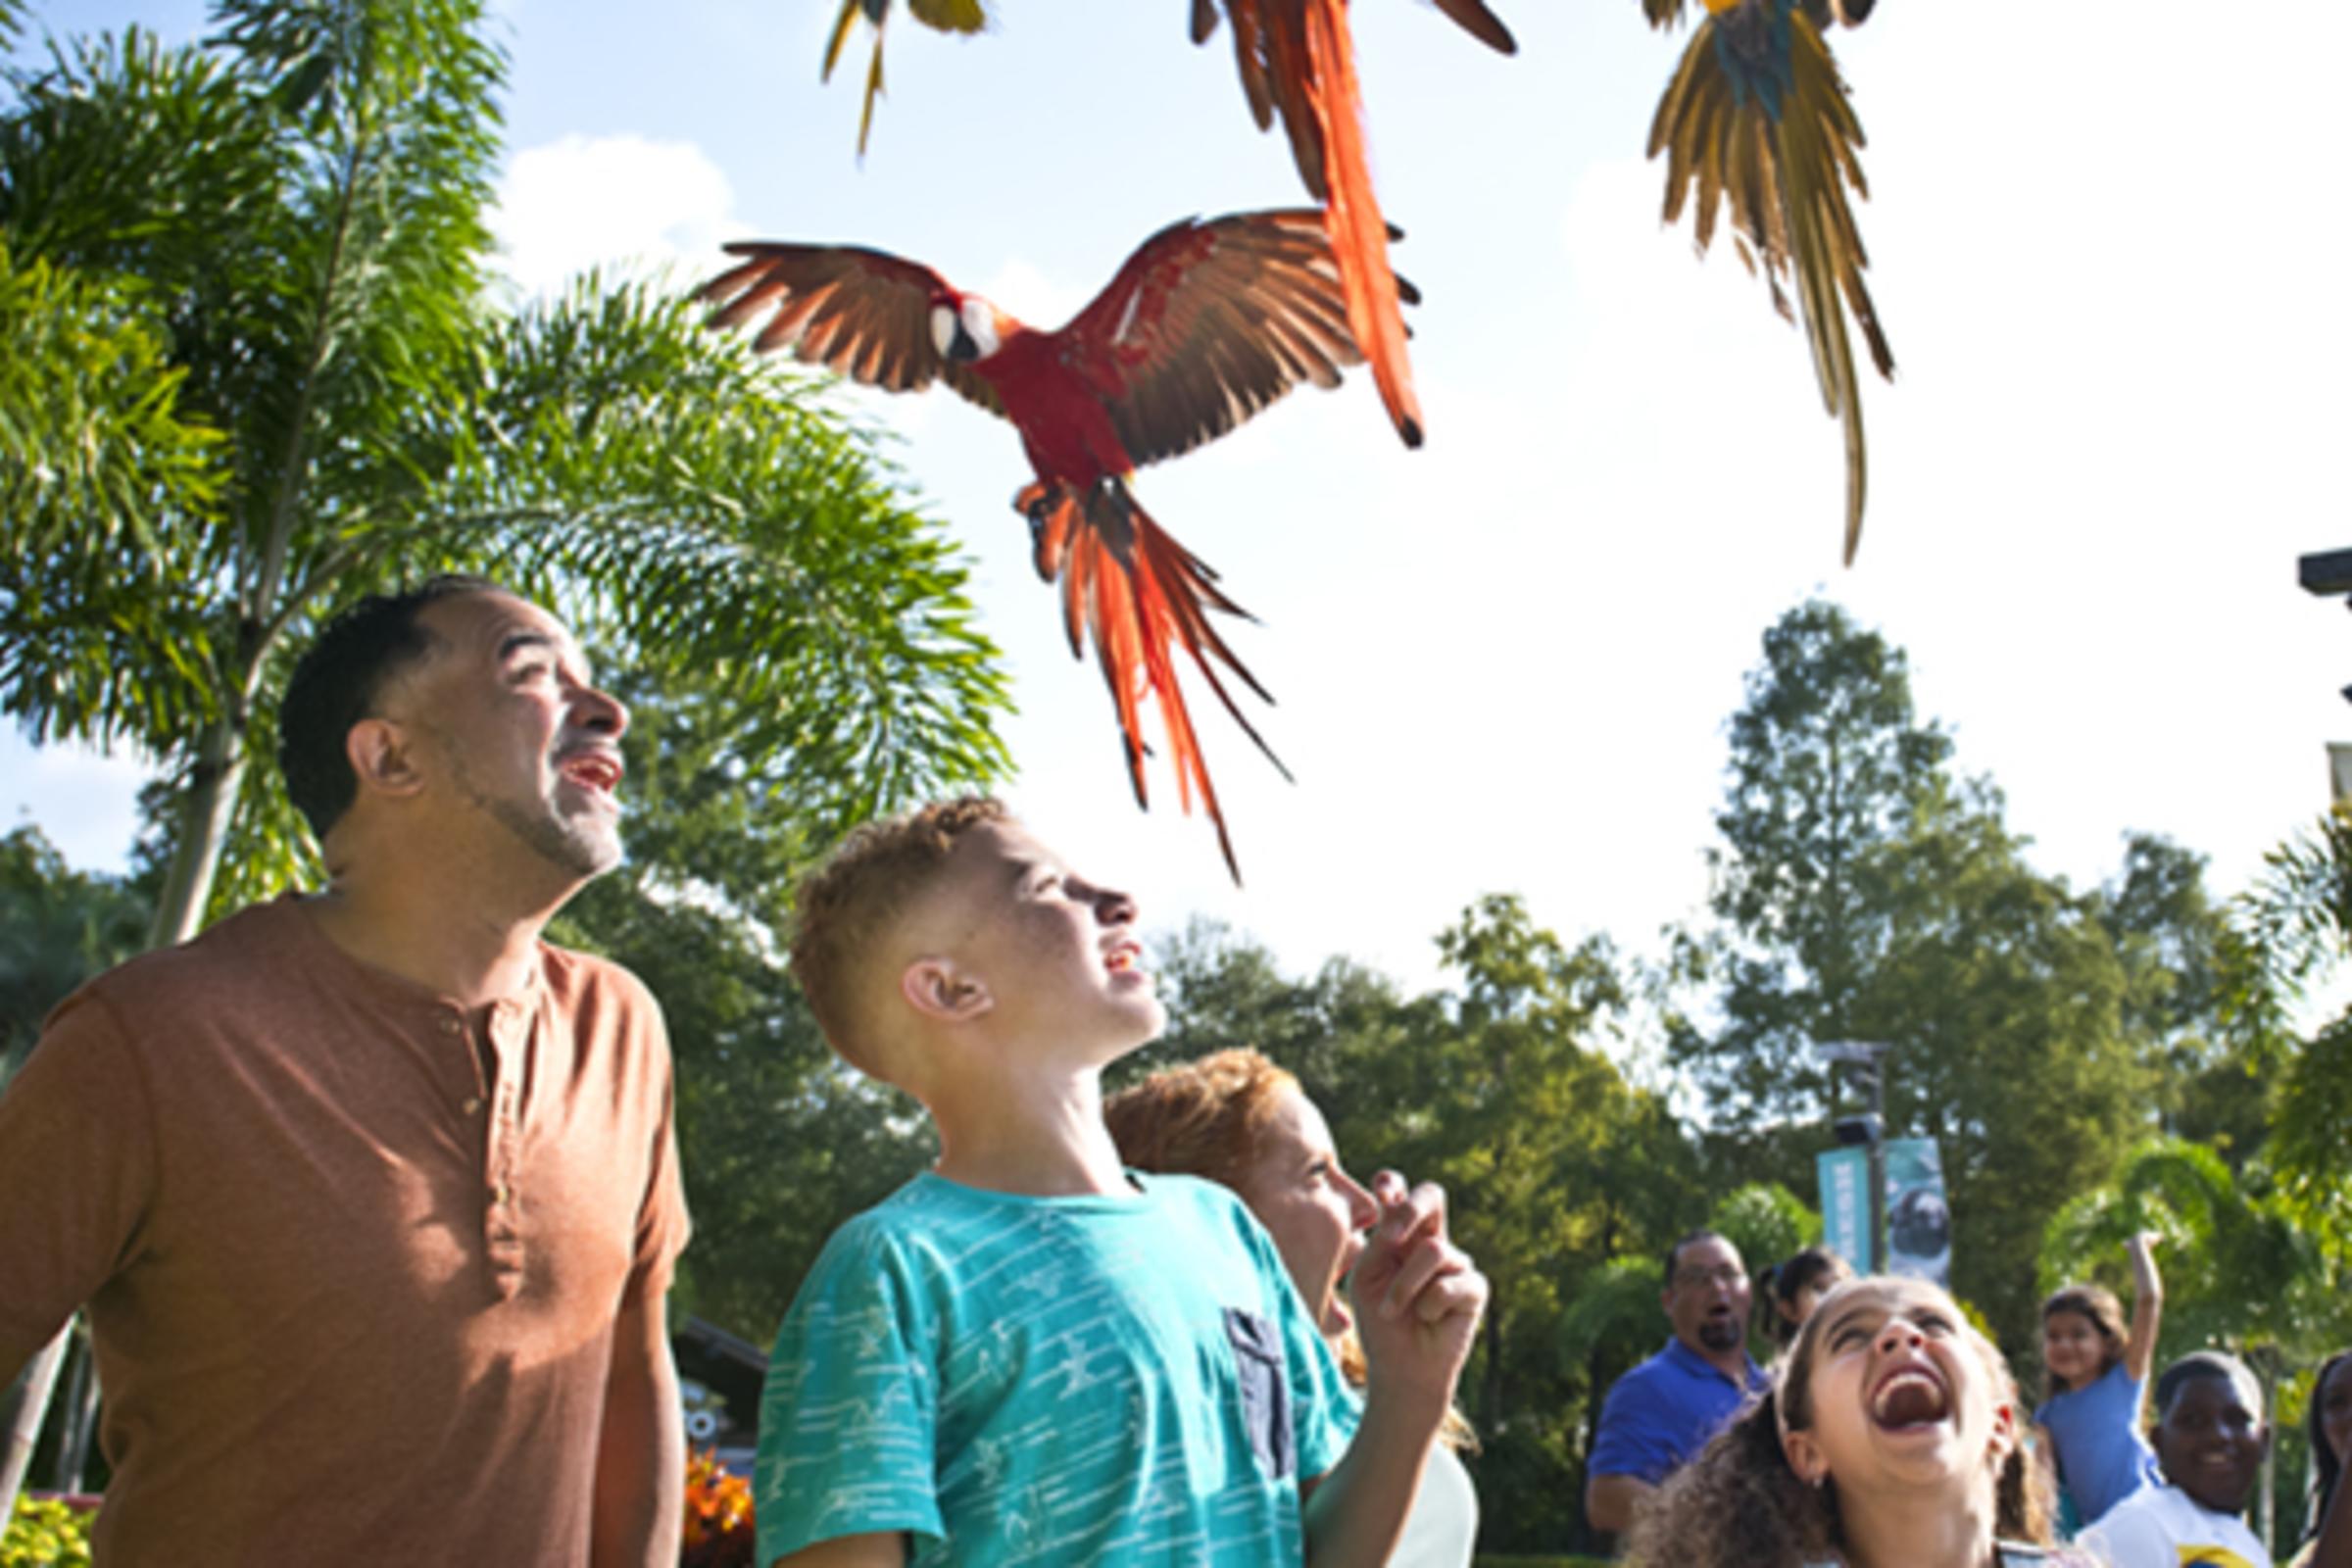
{"x": 1866, "y": 892}
{"x": 45, "y": 1532}
{"x": 1766, "y": 1222}
{"x": 778, "y": 1143}
{"x": 2239, "y": 1269}
{"x": 1497, "y": 1089}
{"x": 1827, "y": 765}
{"x": 90, "y": 431}
{"x": 58, "y": 927}
{"x": 285, "y": 231}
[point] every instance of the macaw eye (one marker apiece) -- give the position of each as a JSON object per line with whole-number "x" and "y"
{"x": 980, "y": 325}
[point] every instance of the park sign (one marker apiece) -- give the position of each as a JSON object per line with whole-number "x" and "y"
{"x": 1918, "y": 1220}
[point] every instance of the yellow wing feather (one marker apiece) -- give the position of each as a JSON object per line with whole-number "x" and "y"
{"x": 1786, "y": 182}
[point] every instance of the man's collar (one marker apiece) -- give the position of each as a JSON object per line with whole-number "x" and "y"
{"x": 1692, "y": 1362}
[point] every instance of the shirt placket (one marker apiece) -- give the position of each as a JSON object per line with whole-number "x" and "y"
{"x": 502, "y": 1152}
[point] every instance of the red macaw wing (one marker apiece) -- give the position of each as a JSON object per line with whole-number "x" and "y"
{"x": 1206, "y": 323}
{"x": 862, "y": 313}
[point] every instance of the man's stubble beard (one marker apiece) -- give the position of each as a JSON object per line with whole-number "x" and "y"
{"x": 577, "y": 853}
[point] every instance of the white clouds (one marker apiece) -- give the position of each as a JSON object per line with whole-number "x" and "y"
{"x": 85, "y": 800}
{"x": 620, "y": 202}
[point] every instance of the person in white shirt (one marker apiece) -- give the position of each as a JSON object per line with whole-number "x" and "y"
{"x": 2210, "y": 1437}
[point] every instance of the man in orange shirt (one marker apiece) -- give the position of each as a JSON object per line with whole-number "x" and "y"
{"x": 371, "y": 1195}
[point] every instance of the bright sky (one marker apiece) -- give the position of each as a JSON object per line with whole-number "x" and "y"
{"x": 2105, "y": 245}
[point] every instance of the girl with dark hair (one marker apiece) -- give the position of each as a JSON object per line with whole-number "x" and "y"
{"x": 1889, "y": 1440}
{"x": 1787, "y": 1292}
{"x": 2331, "y": 1428}
{"x": 2094, "y": 1374}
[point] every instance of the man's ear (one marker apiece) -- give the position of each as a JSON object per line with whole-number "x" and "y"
{"x": 938, "y": 988}
{"x": 1804, "y": 1456}
{"x": 378, "y": 751}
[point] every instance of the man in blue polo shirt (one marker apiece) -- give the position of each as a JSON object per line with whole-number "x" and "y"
{"x": 1663, "y": 1411}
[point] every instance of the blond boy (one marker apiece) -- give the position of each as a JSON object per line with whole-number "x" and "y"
{"x": 1029, "y": 1355}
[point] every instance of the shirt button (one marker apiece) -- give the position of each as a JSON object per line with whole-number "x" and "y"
{"x": 449, "y": 1026}
{"x": 473, "y": 1105}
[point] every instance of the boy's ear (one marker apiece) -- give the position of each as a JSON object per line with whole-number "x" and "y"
{"x": 939, "y": 989}
{"x": 377, "y": 750}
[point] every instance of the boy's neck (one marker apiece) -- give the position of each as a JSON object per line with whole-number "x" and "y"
{"x": 1037, "y": 1135}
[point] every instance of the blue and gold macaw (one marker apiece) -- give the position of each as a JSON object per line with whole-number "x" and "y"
{"x": 1758, "y": 115}
{"x": 941, "y": 16}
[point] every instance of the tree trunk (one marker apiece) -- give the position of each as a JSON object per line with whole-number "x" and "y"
{"x": 80, "y": 1418}
{"x": 21, "y": 1416}
{"x": 204, "y": 814}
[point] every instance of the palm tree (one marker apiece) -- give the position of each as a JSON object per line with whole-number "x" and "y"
{"x": 2240, "y": 1270}
{"x": 252, "y": 369}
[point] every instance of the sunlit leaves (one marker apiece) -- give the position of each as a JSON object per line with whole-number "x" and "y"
{"x": 283, "y": 232}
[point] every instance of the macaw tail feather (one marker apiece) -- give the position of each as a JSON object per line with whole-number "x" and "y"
{"x": 1757, "y": 118}
{"x": 1138, "y": 595}
{"x": 1297, "y": 61}
{"x": 1359, "y": 236}
{"x": 940, "y": 16}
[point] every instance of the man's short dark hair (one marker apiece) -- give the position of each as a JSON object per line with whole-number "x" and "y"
{"x": 1673, "y": 1254}
{"x": 337, "y": 682}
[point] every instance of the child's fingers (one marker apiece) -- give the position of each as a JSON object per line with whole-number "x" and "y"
{"x": 1455, "y": 1291}
{"x": 1429, "y": 1262}
{"x": 1409, "y": 1215}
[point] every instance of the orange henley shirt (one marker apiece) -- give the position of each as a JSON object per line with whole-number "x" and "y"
{"x": 351, "y": 1263}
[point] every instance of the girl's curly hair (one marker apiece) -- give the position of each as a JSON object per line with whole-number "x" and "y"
{"x": 1739, "y": 1504}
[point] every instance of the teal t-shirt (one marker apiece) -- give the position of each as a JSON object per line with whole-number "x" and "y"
{"x": 1043, "y": 1381}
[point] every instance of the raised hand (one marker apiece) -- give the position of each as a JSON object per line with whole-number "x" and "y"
{"x": 1417, "y": 1296}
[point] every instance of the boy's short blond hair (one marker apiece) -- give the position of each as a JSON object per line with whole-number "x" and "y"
{"x": 847, "y": 907}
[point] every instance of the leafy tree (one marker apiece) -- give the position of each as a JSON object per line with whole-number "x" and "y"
{"x": 58, "y": 927}
{"x": 254, "y": 274}
{"x": 1827, "y": 765}
{"x": 2176, "y": 947}
{"x": 1766, "y": 1222}
{"x": 2291, "y": 931}
{"x": 1865, "y": 892}
{"x": 779, "y": 1144}
{"x": 295, "y": 213}
{"x": 1495, "y": 1089}
{"x": 2239, "y": 1271}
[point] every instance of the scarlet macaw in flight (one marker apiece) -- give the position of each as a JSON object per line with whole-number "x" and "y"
{"x": 1205, "y": 325}
{"x": 1297, "y": 59}
{"x": 1758, "y": 115}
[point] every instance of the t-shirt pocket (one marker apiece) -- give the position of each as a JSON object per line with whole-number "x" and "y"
{"x": 1257, "y": 1354}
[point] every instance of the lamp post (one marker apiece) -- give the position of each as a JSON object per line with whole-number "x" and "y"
{"x": 1865, "y": 1057}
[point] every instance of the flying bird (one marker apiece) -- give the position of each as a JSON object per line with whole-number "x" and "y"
{"x": 1757, "y": 117}
{"x": 941, "y": 16}
{"x": 1205, "y": 324}
{"x": 1296, "y": 60}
